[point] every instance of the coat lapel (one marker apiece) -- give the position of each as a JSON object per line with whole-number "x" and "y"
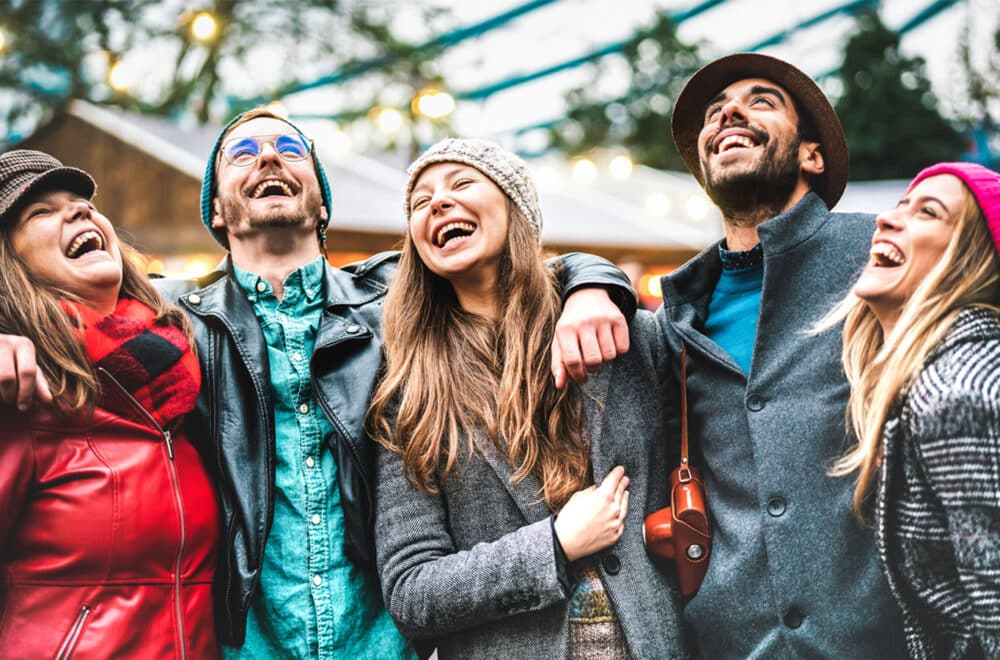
{"x": 594, "y": 394}
{"x": 527, "y": 493}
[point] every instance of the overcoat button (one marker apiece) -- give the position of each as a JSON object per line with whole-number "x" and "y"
{"x": 776, "y": 506}
{"x": 612, "y": 564}
{"x": 755, "y": 402}
{"x": 792, "y": 618}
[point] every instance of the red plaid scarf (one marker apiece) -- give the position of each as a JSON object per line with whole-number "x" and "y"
{"x": 153, "y": 362}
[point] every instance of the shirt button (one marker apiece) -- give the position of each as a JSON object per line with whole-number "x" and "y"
{"x": 296, "y": 357}
{"x": 776, "y": 506}
{"x": 304, "y": 408}
{"x": 315, "y": 519}
{"x": 309, "y": 292}
{"x": 755, "y": 402}
{"x": 612, "y": 564}
{"x": 261, "y": 287}
{"x": 353, "y": 329}
{"x": 317, "y": 580}
{"x": 310, "y": 462}
{"x": 194, "y": 299}
{"x": 792, "y": 618}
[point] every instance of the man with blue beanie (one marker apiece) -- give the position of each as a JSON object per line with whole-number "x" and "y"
{"x": 290, "y": 349}
{"x": 295, "y": 346}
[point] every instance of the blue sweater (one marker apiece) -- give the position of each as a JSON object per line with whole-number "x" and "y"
{"x": 733, "y": 312}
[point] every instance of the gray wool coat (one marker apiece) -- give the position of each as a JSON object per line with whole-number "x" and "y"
{"x": 938, "y": 509}
{"x": 792, "y": 574}
{"x": 473, "y": 568}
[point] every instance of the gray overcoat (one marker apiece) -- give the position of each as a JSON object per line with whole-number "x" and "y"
{"x": 792, "y": 574}
{"x": 473, "y": 568}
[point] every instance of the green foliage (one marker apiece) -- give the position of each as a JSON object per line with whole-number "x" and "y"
{"x": 57, "y": 50}
{"x": 887, "y": 108}
{"x": 659, "y": 64}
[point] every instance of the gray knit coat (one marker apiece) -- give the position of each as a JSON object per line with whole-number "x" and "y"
{"x": 473, "y": 568}
{"x": 938, "y": 508}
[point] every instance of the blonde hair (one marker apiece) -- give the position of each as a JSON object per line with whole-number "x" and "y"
{"x": 450, "y": 373}
{"x": 881, "y": 369}
{"x": 31, "y": 309}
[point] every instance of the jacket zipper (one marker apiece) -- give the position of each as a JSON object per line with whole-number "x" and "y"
{"x": 210, "y": 383}
{"x": 69, "y": 645}
{"x": 177, "y": 500}
{"x": 270, "y": 441}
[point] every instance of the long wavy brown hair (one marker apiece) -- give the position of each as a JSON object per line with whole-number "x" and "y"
{"x": 451, "y": 374}
{"x": 30, "y": 308}
{"x": 879, "y": 368}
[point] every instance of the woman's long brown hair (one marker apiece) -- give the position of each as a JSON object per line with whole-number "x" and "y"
{"x": 31, "y": 309}
{"x": 451, "y": 374}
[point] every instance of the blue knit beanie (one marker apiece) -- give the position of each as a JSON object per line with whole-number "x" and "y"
{"x": 208, "y": 185}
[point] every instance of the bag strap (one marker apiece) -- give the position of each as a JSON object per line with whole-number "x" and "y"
{"x": 684, "y": 471}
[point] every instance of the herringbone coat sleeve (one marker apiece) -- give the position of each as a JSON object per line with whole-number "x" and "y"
{"x": 957, "y": 434}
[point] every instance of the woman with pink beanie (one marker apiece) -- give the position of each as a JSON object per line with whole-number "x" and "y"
{"x": 922, "y": 354}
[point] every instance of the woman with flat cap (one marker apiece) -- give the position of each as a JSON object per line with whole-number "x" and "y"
{"x": 108, "y": 520}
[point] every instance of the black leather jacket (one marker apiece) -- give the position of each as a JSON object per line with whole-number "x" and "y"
{"x": 235, "y": 415}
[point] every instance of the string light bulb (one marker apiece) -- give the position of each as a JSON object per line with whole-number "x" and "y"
{"x": 584, "y": 171}
{"x": 204, "y": 26}
{"x": 433, "y": 103}
{"x": 621, "y": 167}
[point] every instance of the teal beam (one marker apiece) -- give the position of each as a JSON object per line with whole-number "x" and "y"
{"x": 499, "y": 86}
{"x": 488, "y": 90}
{"x": 849, "y": 8}
{"x": 929, "y": 12}
{"x": 918, "y": 19}
{"x": 440, "y": 42}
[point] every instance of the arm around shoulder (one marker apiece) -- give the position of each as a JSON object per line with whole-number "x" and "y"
{"x": 579, "y": 270}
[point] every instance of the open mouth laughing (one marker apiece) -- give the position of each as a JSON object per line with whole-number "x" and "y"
{"x": 452, "y": 232}
{"x": 271, "y": 188}
{"x": 735, "y": 139}
{"x": 85, "y": 243}
{"x": 886, "y": 255}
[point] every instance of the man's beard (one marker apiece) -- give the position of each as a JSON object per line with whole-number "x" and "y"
{"x": 304, "y": 214}
{"x": 760, "y": 193}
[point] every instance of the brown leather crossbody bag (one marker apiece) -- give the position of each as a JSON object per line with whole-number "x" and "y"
{"x": 682, "y": 532}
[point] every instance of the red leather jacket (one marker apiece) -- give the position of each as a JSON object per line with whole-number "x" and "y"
{"x": 109, "y": 530}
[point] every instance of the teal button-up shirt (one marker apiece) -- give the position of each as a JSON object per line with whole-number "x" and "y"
{"x": 311, "y": 601}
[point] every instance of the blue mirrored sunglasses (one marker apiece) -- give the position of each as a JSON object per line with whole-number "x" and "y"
{"x": 243, "y": 151}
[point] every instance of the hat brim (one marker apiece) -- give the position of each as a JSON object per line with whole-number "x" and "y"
{"x": 59, "y": 178}
{"x": 689, "y": 111}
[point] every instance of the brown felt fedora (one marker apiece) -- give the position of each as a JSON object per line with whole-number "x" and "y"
{"x": 689, "y": 113}
{"x": 24, "y": 171}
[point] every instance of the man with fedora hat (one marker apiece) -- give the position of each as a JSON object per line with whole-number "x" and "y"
{"x": 792, "y": 574}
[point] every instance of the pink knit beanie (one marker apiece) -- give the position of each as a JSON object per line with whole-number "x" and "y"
{"x": 984, "y": 184}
